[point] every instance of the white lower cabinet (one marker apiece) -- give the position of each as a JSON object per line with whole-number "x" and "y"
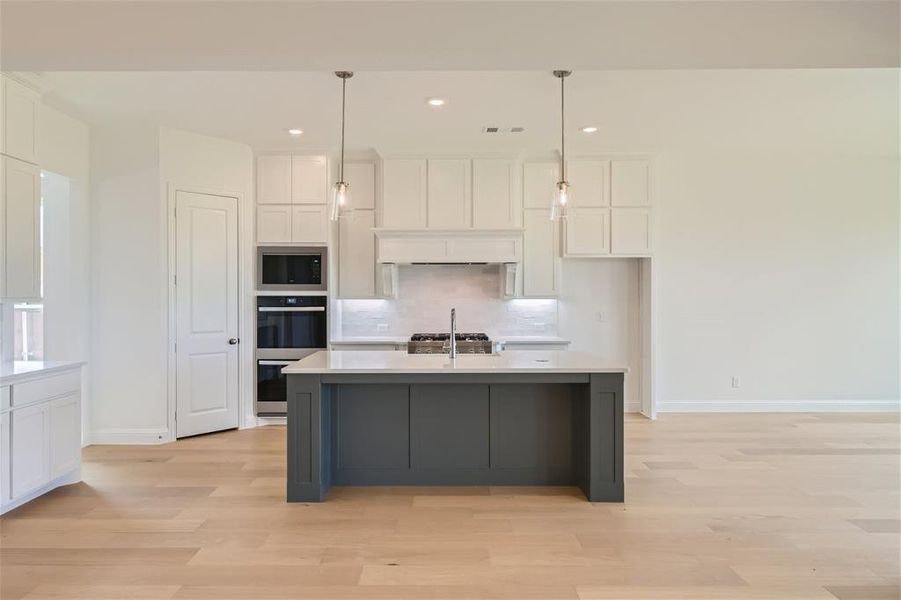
{"x": 65, "y": 435}
{"x": 587, "y": 232}
{"x": 40, "y": 437}
{"x": 30, "y": 448}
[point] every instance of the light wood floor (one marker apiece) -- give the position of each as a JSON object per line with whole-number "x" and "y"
{"x": 717, "y": 507}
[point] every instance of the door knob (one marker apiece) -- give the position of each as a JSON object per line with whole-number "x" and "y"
{"x": 233, "y": 341}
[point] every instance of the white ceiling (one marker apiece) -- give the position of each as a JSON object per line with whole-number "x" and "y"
{"x": 372, "y": 35}
{"x": 853, "y": 111}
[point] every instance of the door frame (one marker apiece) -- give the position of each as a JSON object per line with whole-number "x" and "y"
{"x": 245, "y": 348}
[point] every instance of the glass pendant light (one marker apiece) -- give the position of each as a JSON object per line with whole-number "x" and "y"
{"x": 560, "y": 200}
{"x": 341, "y": 205}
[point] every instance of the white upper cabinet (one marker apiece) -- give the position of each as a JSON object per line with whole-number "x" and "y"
{"x": 539, "y": 183}
{"x": 361, "y": 179}
{"x": 589, "y": 180}
{"x": 404, "y": 193}
{"x": 495, "y": 201}
{"x": 587, "y": 232}
{"x": 630, "y": 182}
{"x": 20, "y": 202}
{"x": 274, "y": 224}
{"x": 19, "y": 108}
{"x": 630, "y": 231}
{"x": 273, "y": 180}
{"x": 356, "y": 255}
{"x": 449, "y": 194}
{"x": 309, "y": 224}
{"x": 540, "y": 272}
{"x": 309, "y": 180}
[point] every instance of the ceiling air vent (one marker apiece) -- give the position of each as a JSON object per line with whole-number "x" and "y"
{"x": 503, "y": 129}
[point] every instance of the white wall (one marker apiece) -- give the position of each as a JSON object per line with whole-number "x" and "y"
{"x": 64, "y": 149}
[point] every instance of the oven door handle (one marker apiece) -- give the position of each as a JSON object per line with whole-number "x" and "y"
{"x": 274, "y": 363}
{"x": 291, "y": 309}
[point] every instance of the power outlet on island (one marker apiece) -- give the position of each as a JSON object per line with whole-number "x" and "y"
{"x": 736, "y": 381}
{"x": 381, "y": 327}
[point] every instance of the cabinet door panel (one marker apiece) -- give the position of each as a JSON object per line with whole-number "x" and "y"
{"x": 273, "y": 180}
{"x": 539, "y": 182}
{"x": 495, "y": 204}
{"x": 404, "y": 193}
{"x": 630, "y": 183}
{"x": 361, "y": 179}
{"x": 630, "y": 231}
{"x": 449, "y": 194}
{"x": 588, "y": 179}
{"x": 30, "y": 448}
{"x": 539, "y": 253}
{"x": 309, "y": 180}
{"x": 65, "y": 435}
{"x": 19, "y": 112}
{"x": 274, "y": 224}
{"x": 21, "y": 189}
{"x": 356, "y": 249}
{"x": 588, "y": 232}
{"x": 309, "y": 224}
{"x": 4, "y": 458}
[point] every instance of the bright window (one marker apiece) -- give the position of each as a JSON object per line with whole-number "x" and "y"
{"x": 28, "y": 320}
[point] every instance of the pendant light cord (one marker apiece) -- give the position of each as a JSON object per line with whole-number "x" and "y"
{"x": 562, "y": 131}
{"x": 343, "y": 96}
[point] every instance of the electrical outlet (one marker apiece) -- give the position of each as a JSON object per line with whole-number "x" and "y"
{"x": 382, "y": 327}
{"x": 600, "y": 317}
{"x": 736, "y": 381}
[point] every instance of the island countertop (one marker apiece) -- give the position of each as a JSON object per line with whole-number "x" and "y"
{"x": 511, "y": 361}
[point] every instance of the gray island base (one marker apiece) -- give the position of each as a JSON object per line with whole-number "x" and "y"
{"x": 498, "y": 420}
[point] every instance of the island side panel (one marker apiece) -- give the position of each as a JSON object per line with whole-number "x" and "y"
{"x": 308, "y": 436}
{"x": 605, "y": 458}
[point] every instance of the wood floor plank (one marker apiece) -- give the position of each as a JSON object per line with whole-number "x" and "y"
{"x": 743, "y": 507}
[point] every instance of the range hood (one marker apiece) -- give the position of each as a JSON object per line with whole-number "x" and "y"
{"x": 449, "y": 247}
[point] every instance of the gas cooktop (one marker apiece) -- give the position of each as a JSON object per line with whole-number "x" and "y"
{"x": 436, "y": 343}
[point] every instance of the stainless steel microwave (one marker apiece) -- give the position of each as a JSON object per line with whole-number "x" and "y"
{"x": 292, "y": 269}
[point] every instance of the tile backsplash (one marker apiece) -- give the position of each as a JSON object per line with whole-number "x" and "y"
{"x": 426, "y": 293}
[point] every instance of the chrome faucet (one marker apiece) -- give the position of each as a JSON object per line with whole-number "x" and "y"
{"x": 452, "y": 342}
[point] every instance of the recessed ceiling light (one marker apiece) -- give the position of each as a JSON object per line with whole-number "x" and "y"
{"x": 437, "y": 101}
{"x": 295, "y": 131}
{"x": 589, "y": 129}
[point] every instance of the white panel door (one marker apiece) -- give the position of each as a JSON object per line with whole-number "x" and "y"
{"x": 356, "y": 255}
{"x": 361, "y": 179}
{"x": 539, "y": 183}
{"x": 309, "y": 224}
{"x": 273, "y": 180}
{"x": 309, "y": 180}
{"x": 274, "y": 224}
{"x": 495, "y": 204}
{"x": 19, "y": 112}
{"x": 630, "y": 231}
{"x": 589, "y": 182}
{"x": 206, "y": 313}
{"x": 449, "y": 194}
{"x": 587, "y": 232}
{"x": 630, "y": 183}
{"x": 65, "y": 435}
{"x": 404, "y": 193}
{"x": 30, "y": 448}
{"x": 539, "y": 259}
{"x": 21, "y": 190}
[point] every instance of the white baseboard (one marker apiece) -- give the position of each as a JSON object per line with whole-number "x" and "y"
{"x": 130, "y": 436}
{"x": 787, "y": 406}
{"x": 632, "y": 407}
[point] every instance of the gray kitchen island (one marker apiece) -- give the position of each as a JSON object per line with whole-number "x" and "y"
{"x": 360, "y": 418}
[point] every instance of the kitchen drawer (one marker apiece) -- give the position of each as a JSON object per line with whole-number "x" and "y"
{"x": 4, "y": 397}
{"x": 45, "y": 388}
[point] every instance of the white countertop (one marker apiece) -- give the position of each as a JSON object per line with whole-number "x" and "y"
{"x": 531, "y": 339}
{"x": 12, "y": 371}
{"x": 509, "y": 339}
{"x": 386, "y": 361}
{"x": 375, "y": 340}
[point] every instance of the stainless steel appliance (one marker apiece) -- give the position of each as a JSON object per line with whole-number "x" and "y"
{"x": 288, "y": 329}
{"x": 291, "y": 269}
{"x": 439, "y": 343}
